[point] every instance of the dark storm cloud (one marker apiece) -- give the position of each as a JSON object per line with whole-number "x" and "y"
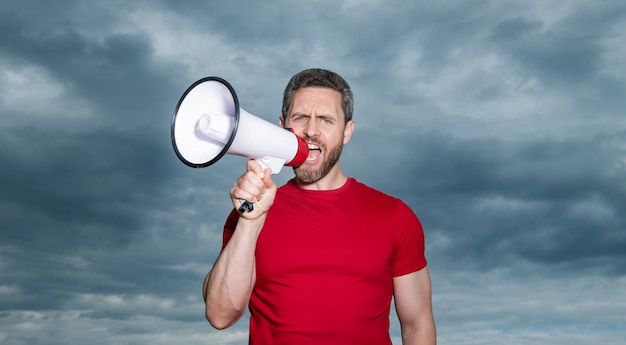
{"x": 103, "y": 72}
{"x": 554, "y": 202}
{"x": 567, "y": 55}
{"x": 500, "y": 125}
{"x": 80, "y": 193}
{"x": 92, "y": 172}
{"x": 567, "y": 51}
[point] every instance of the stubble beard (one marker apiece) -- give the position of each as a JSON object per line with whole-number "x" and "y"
{"x": 310, "y": 175}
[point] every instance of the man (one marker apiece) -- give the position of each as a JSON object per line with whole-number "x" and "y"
{"x": 318, "y": 260}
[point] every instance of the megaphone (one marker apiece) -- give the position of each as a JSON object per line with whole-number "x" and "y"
{"x": 208, "y": 124}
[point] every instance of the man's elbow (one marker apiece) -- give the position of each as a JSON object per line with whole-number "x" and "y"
{"x": 221, "y": 320}
{"x": 217, "y": 323}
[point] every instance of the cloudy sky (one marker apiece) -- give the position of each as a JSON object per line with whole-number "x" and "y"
{"x": 501, "y": 123}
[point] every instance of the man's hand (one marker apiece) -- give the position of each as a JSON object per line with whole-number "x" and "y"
{"x": 255, "y": 186}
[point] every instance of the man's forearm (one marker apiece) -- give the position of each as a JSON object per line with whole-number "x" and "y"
{"x": 227, "y": 287}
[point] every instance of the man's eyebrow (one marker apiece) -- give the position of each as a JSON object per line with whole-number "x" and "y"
{"x": 330, "y": 117}
{"x": 321, "y": 116}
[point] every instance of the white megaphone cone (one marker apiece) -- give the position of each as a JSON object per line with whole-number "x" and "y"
{"x": 208, "y": 123}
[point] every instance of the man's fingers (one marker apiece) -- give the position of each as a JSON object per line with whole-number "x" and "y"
{"x": 256, "y": 167}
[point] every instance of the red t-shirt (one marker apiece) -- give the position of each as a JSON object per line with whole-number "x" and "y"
{"x": 325, "y": 262}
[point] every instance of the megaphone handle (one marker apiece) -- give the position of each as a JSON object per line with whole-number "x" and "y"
{"x": 246, "y": 206}
{"x": 273, "y": 164}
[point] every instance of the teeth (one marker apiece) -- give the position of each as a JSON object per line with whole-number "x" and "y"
{"x": 313, "y": 147}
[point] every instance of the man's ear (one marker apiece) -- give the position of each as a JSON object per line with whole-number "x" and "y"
{"x": 347, "y": 132}
{"x": 281, "y": 121}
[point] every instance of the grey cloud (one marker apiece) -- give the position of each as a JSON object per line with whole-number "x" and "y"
{"x": 103, "y": 226}
{"x": 529, "y": 200}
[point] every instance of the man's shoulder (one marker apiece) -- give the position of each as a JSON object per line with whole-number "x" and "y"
{"x": 364, "y": 188}
{"x": 381, "y": 199}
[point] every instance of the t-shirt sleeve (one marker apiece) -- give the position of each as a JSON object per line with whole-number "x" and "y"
{"x": 229, "y": 227}
{"x": 409, "y": 254}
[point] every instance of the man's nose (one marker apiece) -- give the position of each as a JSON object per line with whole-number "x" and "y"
{"x": 311, "y": 129}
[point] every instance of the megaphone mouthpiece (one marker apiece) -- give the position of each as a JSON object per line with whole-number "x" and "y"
{"x": 301, "y": 154}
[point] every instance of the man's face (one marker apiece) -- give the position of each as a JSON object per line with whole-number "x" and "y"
{"x": 316, "y": 115}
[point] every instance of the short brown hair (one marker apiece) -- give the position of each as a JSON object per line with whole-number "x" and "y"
{"x": 317, "y": 77}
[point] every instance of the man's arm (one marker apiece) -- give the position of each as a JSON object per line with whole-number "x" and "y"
{"x": 413, "y": 299}
{"x": 228, "y": 286}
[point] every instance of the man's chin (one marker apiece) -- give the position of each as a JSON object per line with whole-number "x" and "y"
{"x": 307, "y": 175}
{"x": 310, "y": 172}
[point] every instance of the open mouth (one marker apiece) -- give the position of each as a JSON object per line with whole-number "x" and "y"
{"x": 314, "y": 153}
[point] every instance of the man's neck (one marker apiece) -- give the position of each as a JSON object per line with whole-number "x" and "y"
{"x": 335, "y": 179}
